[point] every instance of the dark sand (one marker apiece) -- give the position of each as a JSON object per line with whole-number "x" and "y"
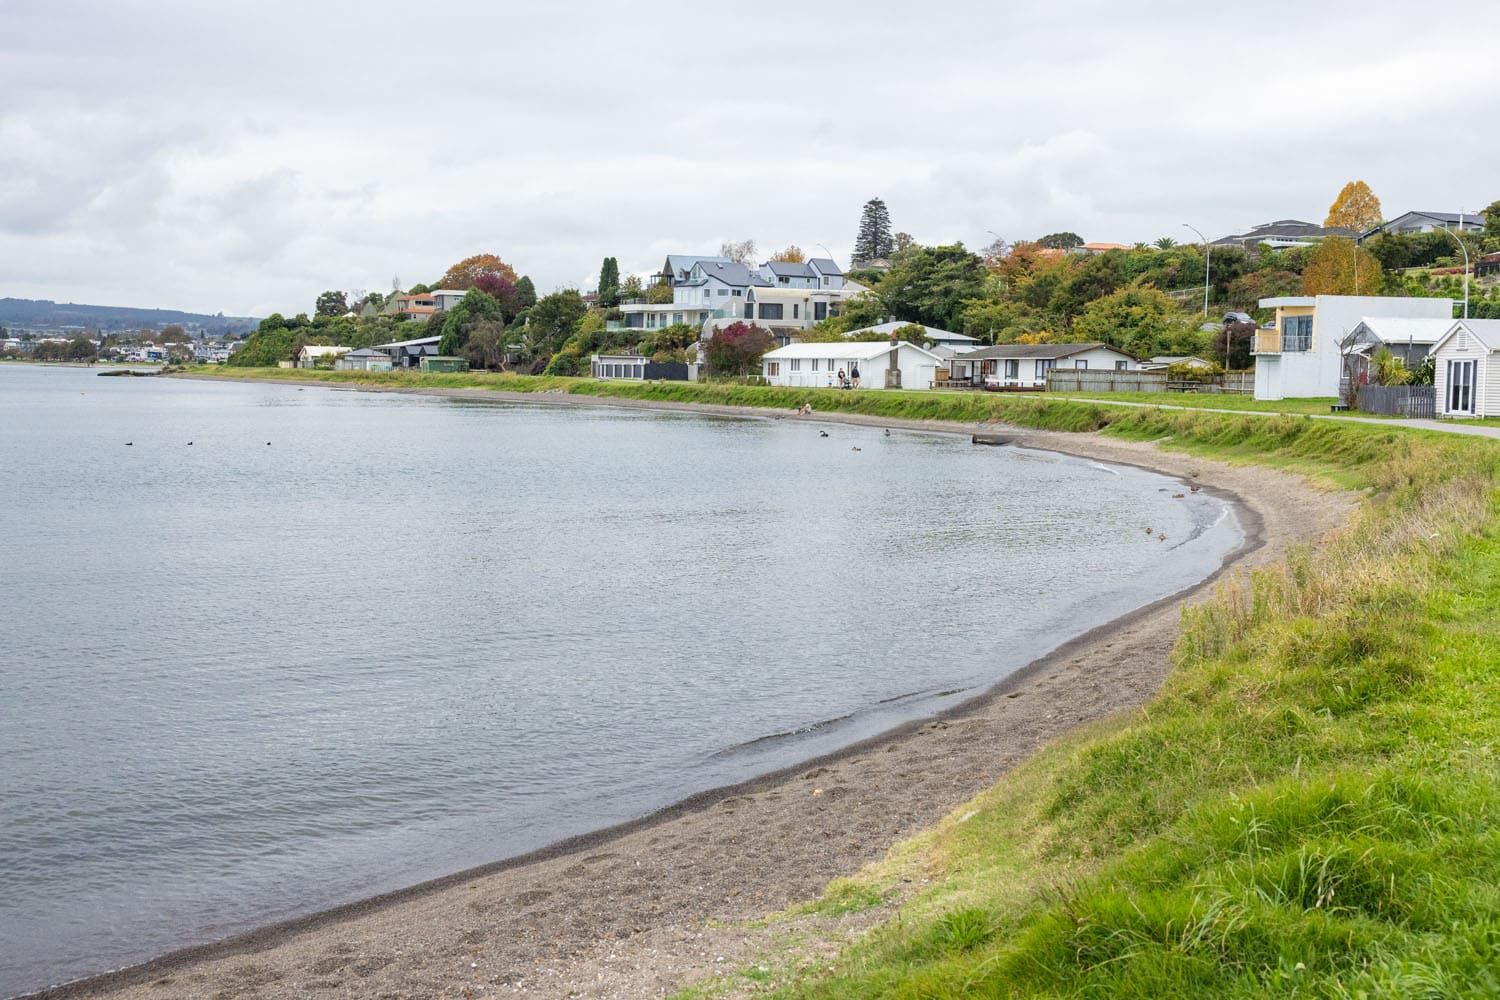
{"x": 645, "y": 909}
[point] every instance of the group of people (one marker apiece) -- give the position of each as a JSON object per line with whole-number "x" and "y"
{"x": 849, "y": 380}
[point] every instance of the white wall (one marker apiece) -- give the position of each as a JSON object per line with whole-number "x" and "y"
{"x": 1486, "y": 376}
{"x": 916, "y": 366}
{"x": 1299, "y": 374}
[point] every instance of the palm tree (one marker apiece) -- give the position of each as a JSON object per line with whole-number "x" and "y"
{"x": 1165, "y": 243}
{"x": 1141, "y": 245}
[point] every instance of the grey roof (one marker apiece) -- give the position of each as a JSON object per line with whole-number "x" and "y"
{"x": 1037, "y": 351}
{"x": 932, "y": 332}
{"x": 1476, "y": 218}
{"x": 366, "y": 352}
{"x": 1285, "y": 229}
{"x": 727, "y": 271}
{"x": 788, "y": 269}
{"x": 824, "y": 265}
{"x": 680, "y": 263}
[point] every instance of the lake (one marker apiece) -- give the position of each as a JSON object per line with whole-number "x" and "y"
{"x": 268, "y": 649}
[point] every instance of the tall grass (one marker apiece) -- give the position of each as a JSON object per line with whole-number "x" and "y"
{"x": 1311, "y": 807}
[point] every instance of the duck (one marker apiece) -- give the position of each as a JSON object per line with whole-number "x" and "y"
{"x": 855, "y": 448}
{"x": 822, "y": 434}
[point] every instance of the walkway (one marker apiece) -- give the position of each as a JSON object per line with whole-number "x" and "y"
{"x": 1445, "y": 426}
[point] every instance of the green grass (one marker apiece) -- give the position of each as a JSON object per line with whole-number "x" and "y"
{"x": 1210, "y": 400}
{"x": 1311, "y": 807}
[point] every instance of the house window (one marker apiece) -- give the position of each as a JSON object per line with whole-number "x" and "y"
{"x": 795, "y": 365}
{"x": 736, "y": 291}
{"x": 1012, "y": 368}
{"x": 784, "y": 281}
{"x": 1296, "y": 333}
{"x": 820, "y": 310}
{"x": 815, "y": 363}
{"x": 825, "y": 282}
{"x": 773, "y": 368}
{"x": 1119, "y": 366}
{"x": 1460, "y": 396}
{"x": 795, "y": 310}
{"x": 770, "y": 310}
{"x": 1043, "y": 366}
{"x": 725, "y": 291}
{"x": 1081, "y": 365}
{"x": 677, "y": 317}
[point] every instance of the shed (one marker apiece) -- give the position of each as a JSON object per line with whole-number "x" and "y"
{"x": 443, "y": 363}
{"x": 1466, "y": 373}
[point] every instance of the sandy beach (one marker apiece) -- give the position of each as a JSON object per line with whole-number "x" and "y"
{"x": 647, "y": 908}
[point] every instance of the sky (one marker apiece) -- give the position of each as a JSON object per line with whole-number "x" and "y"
{"x": 242, "y": 157}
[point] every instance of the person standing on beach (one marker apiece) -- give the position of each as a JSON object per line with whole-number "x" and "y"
{"x": 854, "y": 375}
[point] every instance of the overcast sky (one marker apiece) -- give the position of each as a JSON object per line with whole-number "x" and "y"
{"x": 244, "y": 156}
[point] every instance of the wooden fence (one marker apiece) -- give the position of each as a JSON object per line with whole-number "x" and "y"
{"x": 1103, "y": 380}
{"x": 1397, "y": 400}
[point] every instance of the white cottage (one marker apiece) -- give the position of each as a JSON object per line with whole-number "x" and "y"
{"x": 1025, "y": 366}
{"x": 879, "y": 365}
{"x": 1467, "y": 369}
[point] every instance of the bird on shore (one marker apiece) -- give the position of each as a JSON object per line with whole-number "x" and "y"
{"x": 887, "y": 432}
{"x": 1194, "y": 489}
{"x": 129, "y": 444}
{"x": 855, "y": 448}
{"x": 822, "y": 434}
{"x": 1148, "y": 531}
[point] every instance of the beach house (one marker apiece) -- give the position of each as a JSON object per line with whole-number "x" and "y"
{"x": 1466, "y": 374}
{"x": 1025, "y": 366}
{"x": 713, "y": 292}
{"x": 880, "y": 365}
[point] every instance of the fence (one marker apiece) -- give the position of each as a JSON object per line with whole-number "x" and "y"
{"x": 1106, "y": 380}
{"x": 1402, "y": 400}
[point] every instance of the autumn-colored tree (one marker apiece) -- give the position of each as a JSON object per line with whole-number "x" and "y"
{"x": 791, "y": 255}
{"x": 738, "y": 348}
{"x": 1355, "y": 208}
{"x": 1339, "y": 267}
{"x": 467, "y": 272}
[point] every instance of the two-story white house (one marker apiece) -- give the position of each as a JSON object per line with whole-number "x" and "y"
{"x": 1301, "y": 354}
{"x": 713, "y": 292}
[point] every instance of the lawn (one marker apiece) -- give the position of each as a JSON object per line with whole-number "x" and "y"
{"x": 1210, "y": 400}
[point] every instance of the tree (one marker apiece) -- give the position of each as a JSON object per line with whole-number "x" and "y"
{"x": 660, "y": 293}
{"x": 467, "y": 272}
{"x": 331, "y": 303}
{"x": 1165, "y": 243}
{"x": 1355, "y": 208}
{"x": 791, "y": 255}
{"x": 874, "y": 241}
{"x": 1492, "y": 220}
{"x": 1060, "y": 241}
{"x": 550, "y": 322}
{"x": 486, "y": 345}
{"x": 1340, "y": 267}
{"x": 609, "y": 283}
{"x": 458, "y": 322}
{"x": 905, "y": 241}
{"x": 1141, "y": 320}
{"x": 630, "y": 288}
{"x": 737, "y": 349}
{"x": 173, "y": 333}
{"x": 929, "y": 285}
{"x": 742, "y": 252}
{"x": 995, "y": 252}
{"x": 1387, "y": 369}
{"x": 525, "y": 293}
{"x": 1239, "y": 338}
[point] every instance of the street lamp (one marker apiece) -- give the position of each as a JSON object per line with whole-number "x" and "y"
{"x": 1207, "y": 253}
{"x": 1465, "y": 249}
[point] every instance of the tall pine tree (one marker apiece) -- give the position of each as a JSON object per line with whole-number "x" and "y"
{"x": 874, "y": 241}
{"x": 609, "y": 283}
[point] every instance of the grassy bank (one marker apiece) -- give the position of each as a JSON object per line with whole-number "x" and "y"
{"x": 1311, "y": 808}
{"x": 1211, "y": 400}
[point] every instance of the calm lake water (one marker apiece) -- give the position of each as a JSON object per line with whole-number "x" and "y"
{"x": 343, "y": 642}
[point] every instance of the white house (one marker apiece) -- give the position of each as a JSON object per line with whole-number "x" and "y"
{"x": 308, "y": 355}
{"x": 1300, "y": 355}
{"x": 713, "y": 292}
{"x": 1025, "y": 366}
{"x": 879, "y": 365}
{"x": 1165, "y": 361}
{"x": 1467, "y": 369}
{"x": 932, "y": 336}
{"x": 1427, "y": 222}
{"x": 444, "y": 299}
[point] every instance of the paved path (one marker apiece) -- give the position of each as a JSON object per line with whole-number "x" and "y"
{"x": 1446, "y": 426}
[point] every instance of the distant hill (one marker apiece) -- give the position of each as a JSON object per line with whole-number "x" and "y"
{"x": 42, "y": 314}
